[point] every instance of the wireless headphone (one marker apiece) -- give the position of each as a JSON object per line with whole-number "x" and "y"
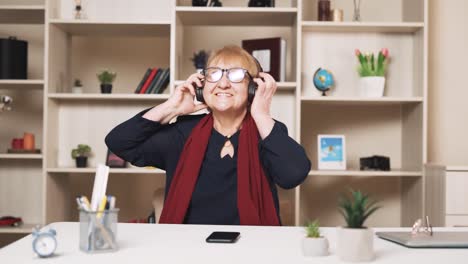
{"x": 251, "y": 88}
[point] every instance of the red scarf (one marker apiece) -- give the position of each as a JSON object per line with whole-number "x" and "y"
{"x": 254, "y": 198}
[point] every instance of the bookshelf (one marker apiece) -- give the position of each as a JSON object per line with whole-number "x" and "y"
{"x": 21, "y": 175}
{"x": 394, "y": 125}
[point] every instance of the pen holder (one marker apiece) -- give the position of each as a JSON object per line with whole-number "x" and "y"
{"x": 98, "y": 230}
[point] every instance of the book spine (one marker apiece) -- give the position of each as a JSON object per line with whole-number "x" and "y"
{"x": 165, "y": 82}
{"x": 145, "y": 76}
{"x": 154, "y": 81}
{"x": 161, "y": 81}
{"x": 148, "y": 81}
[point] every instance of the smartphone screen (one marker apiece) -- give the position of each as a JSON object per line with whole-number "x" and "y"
{"x": 223, "y": 237}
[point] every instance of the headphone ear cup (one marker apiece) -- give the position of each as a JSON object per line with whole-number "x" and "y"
{"x": 199, "y": 94}
{"x": 251, "y": 92}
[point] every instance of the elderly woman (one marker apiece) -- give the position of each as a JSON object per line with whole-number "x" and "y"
{"x": 221, "y": 167}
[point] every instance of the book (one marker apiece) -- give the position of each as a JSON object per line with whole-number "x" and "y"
{"x": 145, "y": 76}
{"x": 154, "y": 81}
{"x": 148, "y": 81}
{"x": 165, "y": 81}
{"x": 160, "y": 81}
{"x": 270, "y": 53}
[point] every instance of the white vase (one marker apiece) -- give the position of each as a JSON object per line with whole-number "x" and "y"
{"x": 312, "y": 247}
{"x": 77, "y": 89}
{"x": 355, "y": 244}
{"x": 372, "y": 86}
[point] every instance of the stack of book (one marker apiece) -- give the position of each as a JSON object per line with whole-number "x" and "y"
{"x": 155, "y": 81}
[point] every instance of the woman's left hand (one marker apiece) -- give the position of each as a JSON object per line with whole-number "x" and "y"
{"x": 262, "y": 101}
{"x": 260, "y": 108}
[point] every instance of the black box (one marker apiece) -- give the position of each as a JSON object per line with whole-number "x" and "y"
{"x": 375, "y": 162}
{"x": 13, "y": 59}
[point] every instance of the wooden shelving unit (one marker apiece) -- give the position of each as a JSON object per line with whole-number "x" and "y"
{"x": 394, "y": 125}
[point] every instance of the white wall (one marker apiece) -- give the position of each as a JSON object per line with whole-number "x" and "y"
{"x": 448, "y": 89}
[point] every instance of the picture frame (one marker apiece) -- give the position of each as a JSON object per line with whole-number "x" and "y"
{"x": 115, "y": 161}
{"x": 331, "y": 150}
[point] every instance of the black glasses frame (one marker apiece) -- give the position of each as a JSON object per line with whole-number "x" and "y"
{"x": 227, "y": 71}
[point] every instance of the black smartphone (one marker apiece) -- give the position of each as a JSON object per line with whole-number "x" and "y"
{"x": 223, "y": 237}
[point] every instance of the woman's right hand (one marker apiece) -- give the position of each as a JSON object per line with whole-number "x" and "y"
{"x": 182, "y": 98}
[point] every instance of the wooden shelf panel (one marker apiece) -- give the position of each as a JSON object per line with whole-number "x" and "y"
{"x": 397, "y": 27}
{"x": 112, "y": 170}
{"x": 23, "y": 229}
{"x": 237, "y": 16}
{"x": 22, "y": 14}
{"x": 361, "y": 100}
{"x": 20, "y": 156}
{"x": 108, "y": 97}
{"x": 28, "y": 84}
{"x": 112, "y": 28}
{"x": 357, "y": 173}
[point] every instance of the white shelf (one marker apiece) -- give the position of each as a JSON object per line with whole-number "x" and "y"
{"x": 24, "y": 83}
{"x": 281, "y": 85}
{"x": 22, "y": 14}
{"x": 20, "y": 156}
{"x": 112, "y": 170}
{"x": 357, "y": 173}
{"x": 396, "y": 27}
{"x": 361, "y": 100}
{"x": 237, "y": 16}
{"x": 23, "y": 229}
{"x": 108, "y": 97}
{"x": 113, "y": 28}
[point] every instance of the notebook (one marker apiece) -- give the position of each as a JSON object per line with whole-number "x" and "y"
{"x": 437, "y": 240}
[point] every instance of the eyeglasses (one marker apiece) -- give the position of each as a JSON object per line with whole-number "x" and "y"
{"x": 420, "y": 228}
{"x": 234, "y": 75}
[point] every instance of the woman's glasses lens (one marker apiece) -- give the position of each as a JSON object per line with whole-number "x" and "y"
{"x": 234, "y": 75}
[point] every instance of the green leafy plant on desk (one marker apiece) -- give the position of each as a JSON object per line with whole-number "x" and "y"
{"x": 355, "y": 241}
{"x": 81, "y": 154}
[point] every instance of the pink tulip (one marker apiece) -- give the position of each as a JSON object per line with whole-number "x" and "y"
{"x": 385, "y": 52}
{"x": 357, "y": 52}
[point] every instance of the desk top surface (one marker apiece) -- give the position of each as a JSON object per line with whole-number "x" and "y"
{"x": 150, "y": 243}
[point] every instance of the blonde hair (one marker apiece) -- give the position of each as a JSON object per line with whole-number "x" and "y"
{"x": 234, "y": 54}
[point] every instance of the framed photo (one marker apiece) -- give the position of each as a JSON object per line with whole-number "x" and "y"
{"x": 115, "y": 161}
{"x": 331, "y": 152}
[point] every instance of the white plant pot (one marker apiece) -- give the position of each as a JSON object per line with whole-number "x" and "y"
{"x": 355, "y": 244}
{"x": 371, "y": 86}
{"x": 313, "y": 247}
{"x": 77, "y": 90}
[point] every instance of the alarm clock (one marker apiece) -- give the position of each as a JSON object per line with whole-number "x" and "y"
{"x": 44, "y": 242}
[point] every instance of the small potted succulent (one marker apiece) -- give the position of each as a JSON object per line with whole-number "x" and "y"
{"x": 199, "y": 60}
{"x": 372, "y": 73}
{"x": 81, "y": 154}
{"x": 106, "y": 78}
{"x": 77, "y": 87}
{"x": 355, "y": 241}
{"x": 314, "y": 244}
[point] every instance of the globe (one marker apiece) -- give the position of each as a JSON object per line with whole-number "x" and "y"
{"x": 323, "y": 80}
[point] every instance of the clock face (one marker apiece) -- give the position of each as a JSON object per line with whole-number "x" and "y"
{"x": 44, "y": 245}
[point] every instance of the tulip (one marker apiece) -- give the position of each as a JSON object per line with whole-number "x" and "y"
{"x": 385, "y": 52}
{"x": 357, "y": 52}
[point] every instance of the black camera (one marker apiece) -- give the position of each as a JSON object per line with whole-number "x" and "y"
{"x": 262, "y": 3}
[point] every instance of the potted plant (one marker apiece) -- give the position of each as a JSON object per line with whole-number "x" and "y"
{"x": 314, "y": 244}
{"x": 199, "y": 60}
{"x": 372, "y": 73}
{"x": 81, "y": 154}
{"x": 355, "y": 241}
{"x": 77, "y": 87}
{"x": 106, "y": 78}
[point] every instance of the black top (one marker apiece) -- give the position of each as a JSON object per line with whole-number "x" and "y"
{"x": 143, "y": 142}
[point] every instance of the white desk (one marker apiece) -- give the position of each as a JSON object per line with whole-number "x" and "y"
{"x": 149, "y": 243}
